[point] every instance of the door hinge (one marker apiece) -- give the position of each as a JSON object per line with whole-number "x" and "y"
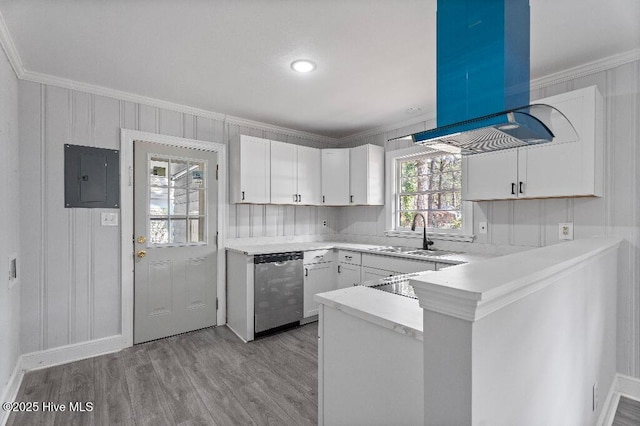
{"x": 216, "y": 303}
{"x": 216, "y": 239}
{"x": 217, "y": 170}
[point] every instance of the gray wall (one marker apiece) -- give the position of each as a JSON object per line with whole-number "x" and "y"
{"x": 534, "y": 223}
{"x": 10, "y": 183}
{"x": 71, "y": 279}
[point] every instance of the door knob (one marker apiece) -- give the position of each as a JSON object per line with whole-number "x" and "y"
{"x": 141, "y": 253}
{"x": 141, "y": 239}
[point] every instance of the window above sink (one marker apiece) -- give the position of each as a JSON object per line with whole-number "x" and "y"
{"x": 427, "y": 181}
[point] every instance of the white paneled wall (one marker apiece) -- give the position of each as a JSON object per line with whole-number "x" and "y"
{"x": 534, "y": 223}
{"x": 11, "y": 183}
{"x": 71, "y": 279}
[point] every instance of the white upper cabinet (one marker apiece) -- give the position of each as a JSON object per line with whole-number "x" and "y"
{"x": 250, "y": 171}
{"x": 335, "y": 177}
{"x": 366, "y": 175}
{"x": 309, "y": 175}
{"x": 271, "y": 172}
{"x": 284, "y": 188}
{"x": 295, "y": 174}
{"x": 557, "y": 169}
{"x": 353, "y": 176}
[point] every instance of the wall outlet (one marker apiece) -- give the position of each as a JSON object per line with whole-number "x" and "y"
{"x": 595, "y": 396}
{"x": 565, "y": 231}
{"x": 482, "y": 227}
{"x": 324, "y": 223}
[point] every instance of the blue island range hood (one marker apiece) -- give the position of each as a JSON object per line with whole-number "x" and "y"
{"x": 483, "y": 80}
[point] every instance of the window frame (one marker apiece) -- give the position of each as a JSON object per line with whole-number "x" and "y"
{"x": 170, "y": 215}
{"x": 392, "y": 179}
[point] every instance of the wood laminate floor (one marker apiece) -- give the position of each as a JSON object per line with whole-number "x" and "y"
{"x": 206, "y": 377}
{"x": 627, "y": 413}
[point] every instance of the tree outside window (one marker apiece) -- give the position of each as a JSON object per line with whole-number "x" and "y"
{"x": 431, "y": 185}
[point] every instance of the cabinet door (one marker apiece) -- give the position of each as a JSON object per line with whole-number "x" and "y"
{"x": 318, "y": 279}
{"x": 490, "y": 176}
{"x": 566, "y": 167}
{"x": 335, "y": 177}
{"x": 348, "y": 275}
{"x": 309, "y": 175}
{"x": 283, "y": 173}
{"x": 358, "y": 174}
{"x": 366, "y": 175}
{"x": 369, "y": 274}
{"x": 254, "y": 170}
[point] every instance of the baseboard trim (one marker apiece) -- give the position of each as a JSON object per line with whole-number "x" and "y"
{"x": 10, "y": 391}
{"x": 622, "y": 386}
{"x": 70, "y": 353}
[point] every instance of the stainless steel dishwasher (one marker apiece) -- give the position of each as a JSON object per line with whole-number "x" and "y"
{"x": 278, "y": 290}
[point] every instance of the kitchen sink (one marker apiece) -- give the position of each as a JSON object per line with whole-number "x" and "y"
{"x": 411, "y": 250}
{"x": 393, "y": 249}
{"x": 433, "y": 253}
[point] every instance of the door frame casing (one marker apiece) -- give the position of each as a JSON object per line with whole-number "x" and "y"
{"x": 127, "y": 138}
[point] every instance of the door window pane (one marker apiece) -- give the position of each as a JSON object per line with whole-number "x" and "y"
{"x": 196, "y": 175}
{"x": 159, "y": 231}
{"x": 158, "y": 201}
{"x": 196, "y": 203}
{"x": 158, "y": 171}
{"x": 178, "y": 201}
{"x": 196, "y": 230}
{"x": 179, "y": 173}
{"x": 178, "y": 231}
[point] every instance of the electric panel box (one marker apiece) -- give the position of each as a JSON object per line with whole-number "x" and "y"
{"x": 91, "y": 177}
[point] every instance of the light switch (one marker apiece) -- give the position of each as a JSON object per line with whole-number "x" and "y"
{"x": 109, "y": 219}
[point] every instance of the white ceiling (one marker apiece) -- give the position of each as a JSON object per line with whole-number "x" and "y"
{"x": 376, "y": 58}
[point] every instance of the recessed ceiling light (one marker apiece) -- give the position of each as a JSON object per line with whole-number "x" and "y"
{"x": 303, "y": 65}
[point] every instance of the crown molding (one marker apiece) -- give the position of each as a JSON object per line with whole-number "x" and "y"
{"x": 10, "y": 49}
{"x": 594, "y": 67}
{"x": 21, "y": 73}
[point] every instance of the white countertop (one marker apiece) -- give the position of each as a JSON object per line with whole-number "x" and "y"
{"x": 475, "y": 290}
{"x": 256, "y": 249}
{"x": 398, "y": 313}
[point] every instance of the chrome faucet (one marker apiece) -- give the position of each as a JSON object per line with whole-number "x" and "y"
{"x": 425, "y": 241}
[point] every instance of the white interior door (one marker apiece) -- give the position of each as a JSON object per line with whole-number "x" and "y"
{"x": 175, "y": 228}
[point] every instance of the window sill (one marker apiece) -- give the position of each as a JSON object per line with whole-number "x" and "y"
{"x": 432, "y": 235}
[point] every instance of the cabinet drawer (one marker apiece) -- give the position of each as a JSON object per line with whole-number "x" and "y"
{"x": 353, "y": 257}
{"x": 390, "y": 263}
{"x": 318, "y": 256}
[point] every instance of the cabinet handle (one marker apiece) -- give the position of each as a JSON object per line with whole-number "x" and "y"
{"x": 520, "y": 189}
{"x": 306, "y": 272}
{"x": 295, "y": 198}
{"x": 323, "y": 198}
{"x": 513, "y": 188}
{"x": 242, "y": 195}
{"x": 338, "y": 268}
{"x": 348, "y": 257}
{"x": 299, "y": 198}
{"x": 351, "y": 198}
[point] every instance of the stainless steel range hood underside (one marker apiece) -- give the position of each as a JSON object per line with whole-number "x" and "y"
{"x": 529, "y": 125}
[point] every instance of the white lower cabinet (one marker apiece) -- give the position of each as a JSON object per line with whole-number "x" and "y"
{"x": 369, "y": 274}
{"x": 348, "y": 275}
{"x": 318, "y": 278}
